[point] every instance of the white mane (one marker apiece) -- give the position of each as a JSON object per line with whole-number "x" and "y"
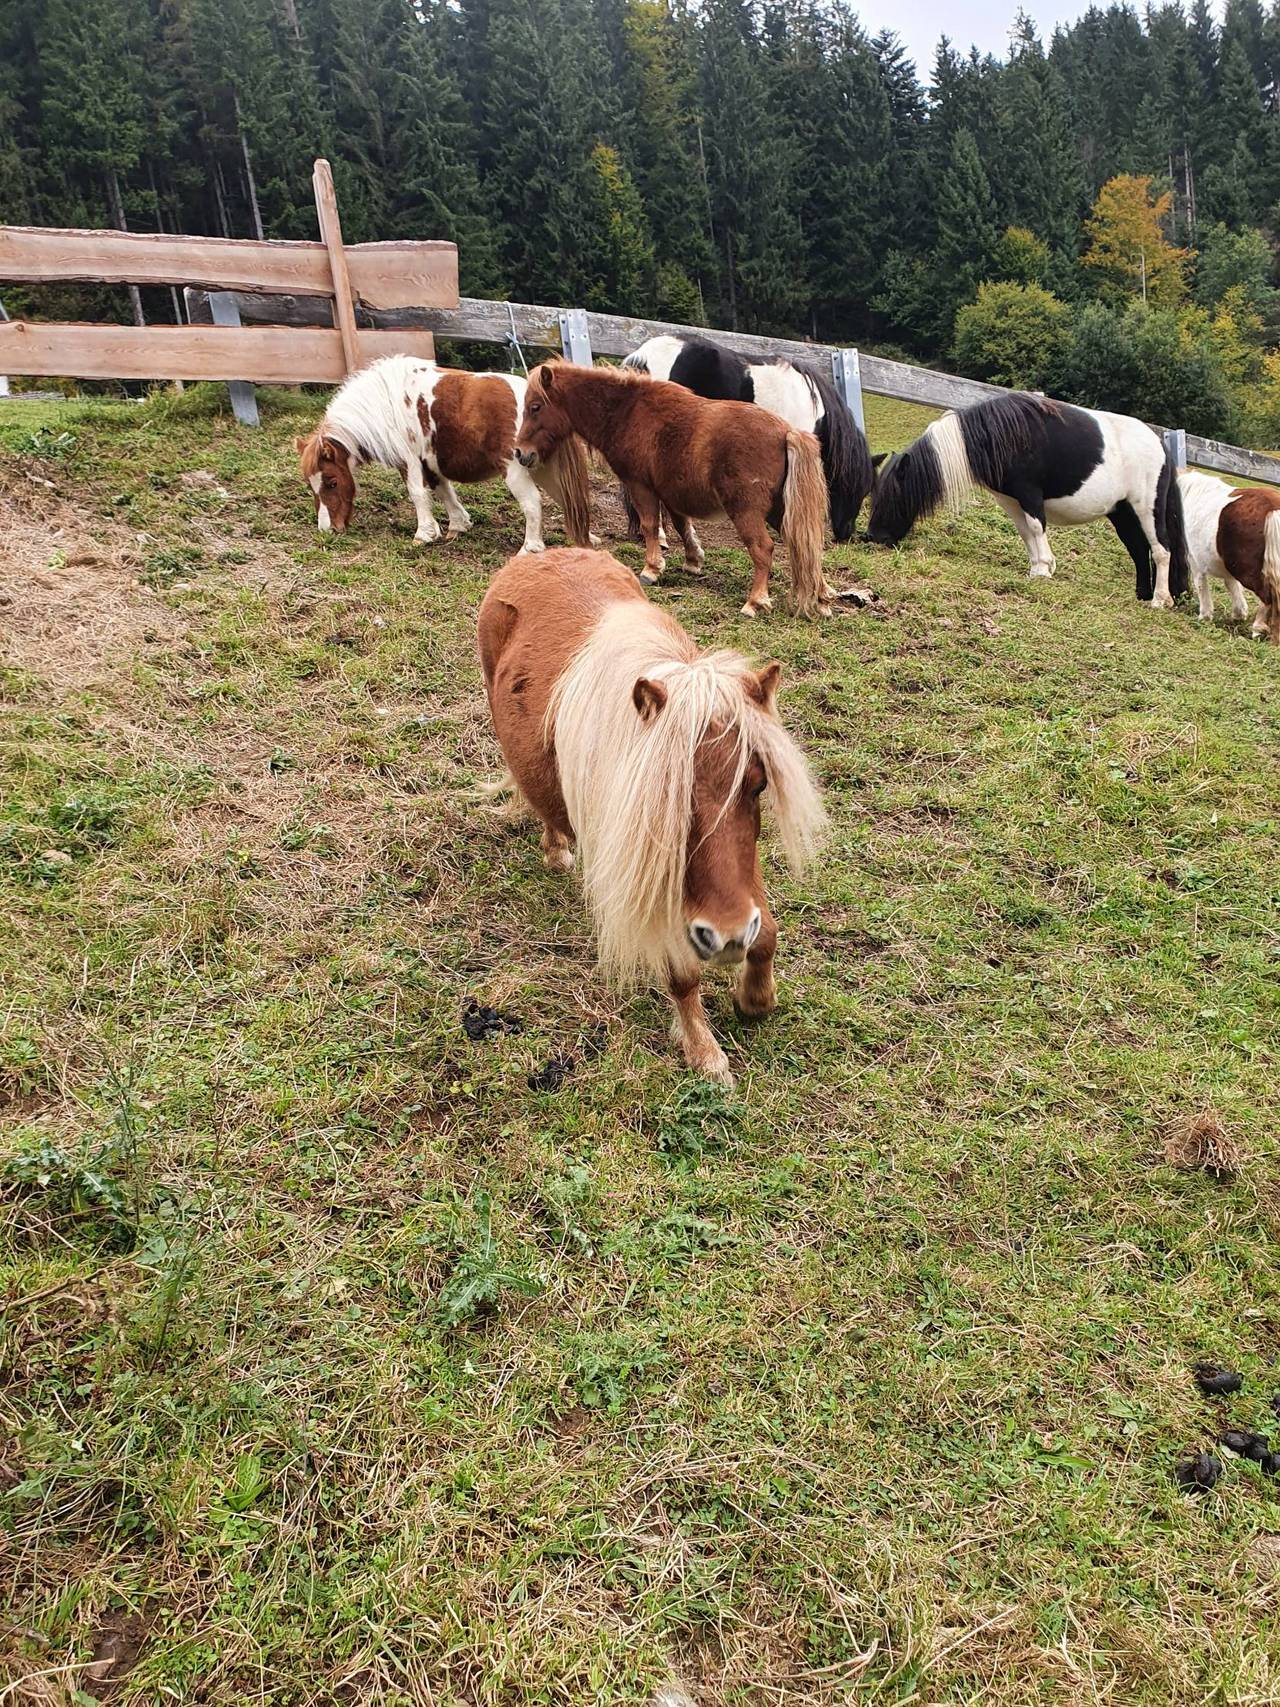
{"x": 628, "y": 781}
{"x": 947, "y": 439}
{"x": 368, "y": 413}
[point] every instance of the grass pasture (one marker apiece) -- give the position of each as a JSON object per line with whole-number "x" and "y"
{"x": 341, "y": 1364}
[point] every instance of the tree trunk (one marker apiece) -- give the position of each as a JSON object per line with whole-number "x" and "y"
{"x": 733, "y": 288}
{"x": 220, "y": 196}
{"x": 118, "y": 220}
{"x": 290, "y": 10}
{"x": 248, "y": 176}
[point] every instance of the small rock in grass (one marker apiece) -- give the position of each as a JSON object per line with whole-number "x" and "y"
{"x": 1247, "y": 1445}
{"x": 1213, "y": 1379}
{"x": 553, "y": 1075}
{"x": 480, "y": 1022}
{"x": 1198, "y": 1474}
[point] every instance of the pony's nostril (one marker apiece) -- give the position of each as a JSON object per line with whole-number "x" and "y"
{"x": 705, "y": 939}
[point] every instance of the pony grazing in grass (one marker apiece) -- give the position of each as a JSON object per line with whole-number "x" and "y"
{"x": 800, "y": 394}
{"x": 1233, "y": 532}
{"x": 437, "y": 426}
{"x": 1044, "y": 462}
{"x": 698, "y": 458}
{"x": 650, "y": 758}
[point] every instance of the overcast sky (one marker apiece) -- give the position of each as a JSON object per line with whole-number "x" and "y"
{"x": 982, "y": 23}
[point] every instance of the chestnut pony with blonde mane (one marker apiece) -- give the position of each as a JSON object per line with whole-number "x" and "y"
{"x": 651, "y": 758}
{"x": 699, "y": 458}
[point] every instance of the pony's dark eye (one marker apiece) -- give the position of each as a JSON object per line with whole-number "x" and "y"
{"x": 534, "y": 408}
{"x": 759, "y": 789}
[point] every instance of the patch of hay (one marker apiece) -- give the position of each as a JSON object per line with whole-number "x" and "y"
{"x": 1201, "y": 1141}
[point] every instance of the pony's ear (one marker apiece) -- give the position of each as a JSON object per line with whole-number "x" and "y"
{"x": 879, "y": 458}
{"x": 648, "y": 698}
{"x": 300, "y": 444}
{"x": 763, "y": 686}
{"x": 548, "y": 373}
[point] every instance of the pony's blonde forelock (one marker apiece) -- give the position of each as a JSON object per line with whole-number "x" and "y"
{"x": 628, "y": 780}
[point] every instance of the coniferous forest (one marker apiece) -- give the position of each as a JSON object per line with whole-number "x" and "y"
{"x": 1095, "y": 215}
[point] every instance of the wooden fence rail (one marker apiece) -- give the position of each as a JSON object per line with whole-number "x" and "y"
{"x": 537, "y": 326}
{"x": 324, "y": 349}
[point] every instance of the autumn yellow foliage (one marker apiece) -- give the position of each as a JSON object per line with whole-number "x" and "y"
{"x": 1128, "y": 247}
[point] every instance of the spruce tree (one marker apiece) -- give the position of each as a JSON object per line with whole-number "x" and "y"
{"x": 968, "y": 233}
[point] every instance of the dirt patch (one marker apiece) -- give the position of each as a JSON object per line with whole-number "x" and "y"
{"x": 71, "y": 605}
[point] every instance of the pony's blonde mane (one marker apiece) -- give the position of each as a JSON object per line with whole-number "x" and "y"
{"x": 947, "y": 440}
{"x": 628, "y": 781}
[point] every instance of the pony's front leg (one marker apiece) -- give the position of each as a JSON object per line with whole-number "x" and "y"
{"x": 690, "y": 1030}
{"x": 1204, "y": 595}
{"x": 416, "y": 478}
{"x": 757, "y": 994}
{"x": 526, "y": 492}
{"x": 557, "y": 853}
{"x": 649, "y": 510}
{"x": 459, "y": 517}
{"x": 693, "y": 554}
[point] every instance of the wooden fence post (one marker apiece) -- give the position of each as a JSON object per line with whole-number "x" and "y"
{"x": 575, "y": 339}
{"x": 244, "y": 401}
{"x": 331, "y": 233}
{"x": 846, "y": 370}
{"x": 4, "y": 378}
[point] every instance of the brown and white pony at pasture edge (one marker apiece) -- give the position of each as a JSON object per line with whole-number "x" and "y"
{"x": 650, "y": 758}
{"x": 698, "y": 457}
{"x": 1233, "y": 532}
{"x": 438, "y": 425}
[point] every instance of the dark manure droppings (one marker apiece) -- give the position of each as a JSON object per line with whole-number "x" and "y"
{"x": 553, "y": 1075}
{"x": 1213, "y": 1379}
{"x": 480, "y": 1022}
{"x": 1198, "y": 1474}
{"x": 1247, "y": 1445}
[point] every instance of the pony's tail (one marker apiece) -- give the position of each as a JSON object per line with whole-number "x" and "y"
{"x": 1171, "y": 529}
{"x": 1271, "y": 575}
{"x": 846, "y": 458}
{"x": 804, "y": 523}
{"x": 567, "y": 468}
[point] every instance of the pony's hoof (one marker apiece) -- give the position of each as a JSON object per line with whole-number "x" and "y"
{"x": 1040, "y": 574}
{"x": 649, "y": 580}
{"x": 559, "y": 860}
{"x": 693, "y": 565}
{"x": 425, "y": 538}
{"x": 595, "y": 541}
{"x": 753, "y": 1009}
{"x": 748, "y": 610}
{"x": 1165, "y": 603}
{"x": 534, "y": 545}
{"x": 824, "y": 610}
{"x": 714, "y": 1067}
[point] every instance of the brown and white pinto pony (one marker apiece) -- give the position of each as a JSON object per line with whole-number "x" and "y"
{"x": 650, "y": 758}
{"x": 1233, "y": 532}
{"x": 699, "y": 458}
{"x": 437, "y": 425}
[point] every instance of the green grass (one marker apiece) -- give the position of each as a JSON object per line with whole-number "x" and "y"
{"x": 342, "y": 1366}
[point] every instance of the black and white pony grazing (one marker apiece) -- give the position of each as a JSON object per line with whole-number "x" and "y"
{"x": 1045, "y": 462}
{"x": 803, "y": 397}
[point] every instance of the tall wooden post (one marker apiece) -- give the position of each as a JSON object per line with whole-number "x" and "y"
{"x": 331, "y": 233}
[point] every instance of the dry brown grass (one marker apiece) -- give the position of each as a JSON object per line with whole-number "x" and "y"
{"x": 1202, "y": 1141}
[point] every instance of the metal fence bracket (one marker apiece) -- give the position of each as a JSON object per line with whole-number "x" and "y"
{"x": 846, "y": 371}
{"x": 1175, "y": 446}
{"x": 575, "y": 339}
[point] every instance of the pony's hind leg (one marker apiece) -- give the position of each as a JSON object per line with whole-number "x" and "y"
{"x": 1239, "y": 598}
{"x": 1204, "y": 594}
{"x": 557, "y": 854}
{"x": 756, "y": 537}
{"x": 649, "y": 510}
{"x": 690, "y": 1030}
{"x": 525, "y": 490}
{"x": 456, "y": 512}
{"x": 693, "y": 554}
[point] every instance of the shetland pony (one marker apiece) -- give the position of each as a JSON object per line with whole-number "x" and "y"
{"x": 1233, "y": 532}
{"x": 1044, "y": 462}
{"x": 650, "y": 758}
{"x": 800, "y": 394}
{"x": 698, "y": 458}
{"x": 437, "y": 426}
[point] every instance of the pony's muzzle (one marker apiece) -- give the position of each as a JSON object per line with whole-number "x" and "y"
{"x": 527, "y": 458}
{"x": 710, "y": 944}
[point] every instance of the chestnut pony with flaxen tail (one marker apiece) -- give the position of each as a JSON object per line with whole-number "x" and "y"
{"x": 699, "y": 458}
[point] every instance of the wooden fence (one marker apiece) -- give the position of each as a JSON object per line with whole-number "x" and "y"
{"x": 538, "y": 326}
{"x": 324, "y": 349}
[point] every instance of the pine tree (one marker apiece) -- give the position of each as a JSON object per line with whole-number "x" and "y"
{"x": 1039, "y": 179}
{"x": 968, "y": 233}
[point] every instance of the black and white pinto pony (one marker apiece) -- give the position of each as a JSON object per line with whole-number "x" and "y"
{"x": 1045, "y": 462}
{"x": 802, "y": 395}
